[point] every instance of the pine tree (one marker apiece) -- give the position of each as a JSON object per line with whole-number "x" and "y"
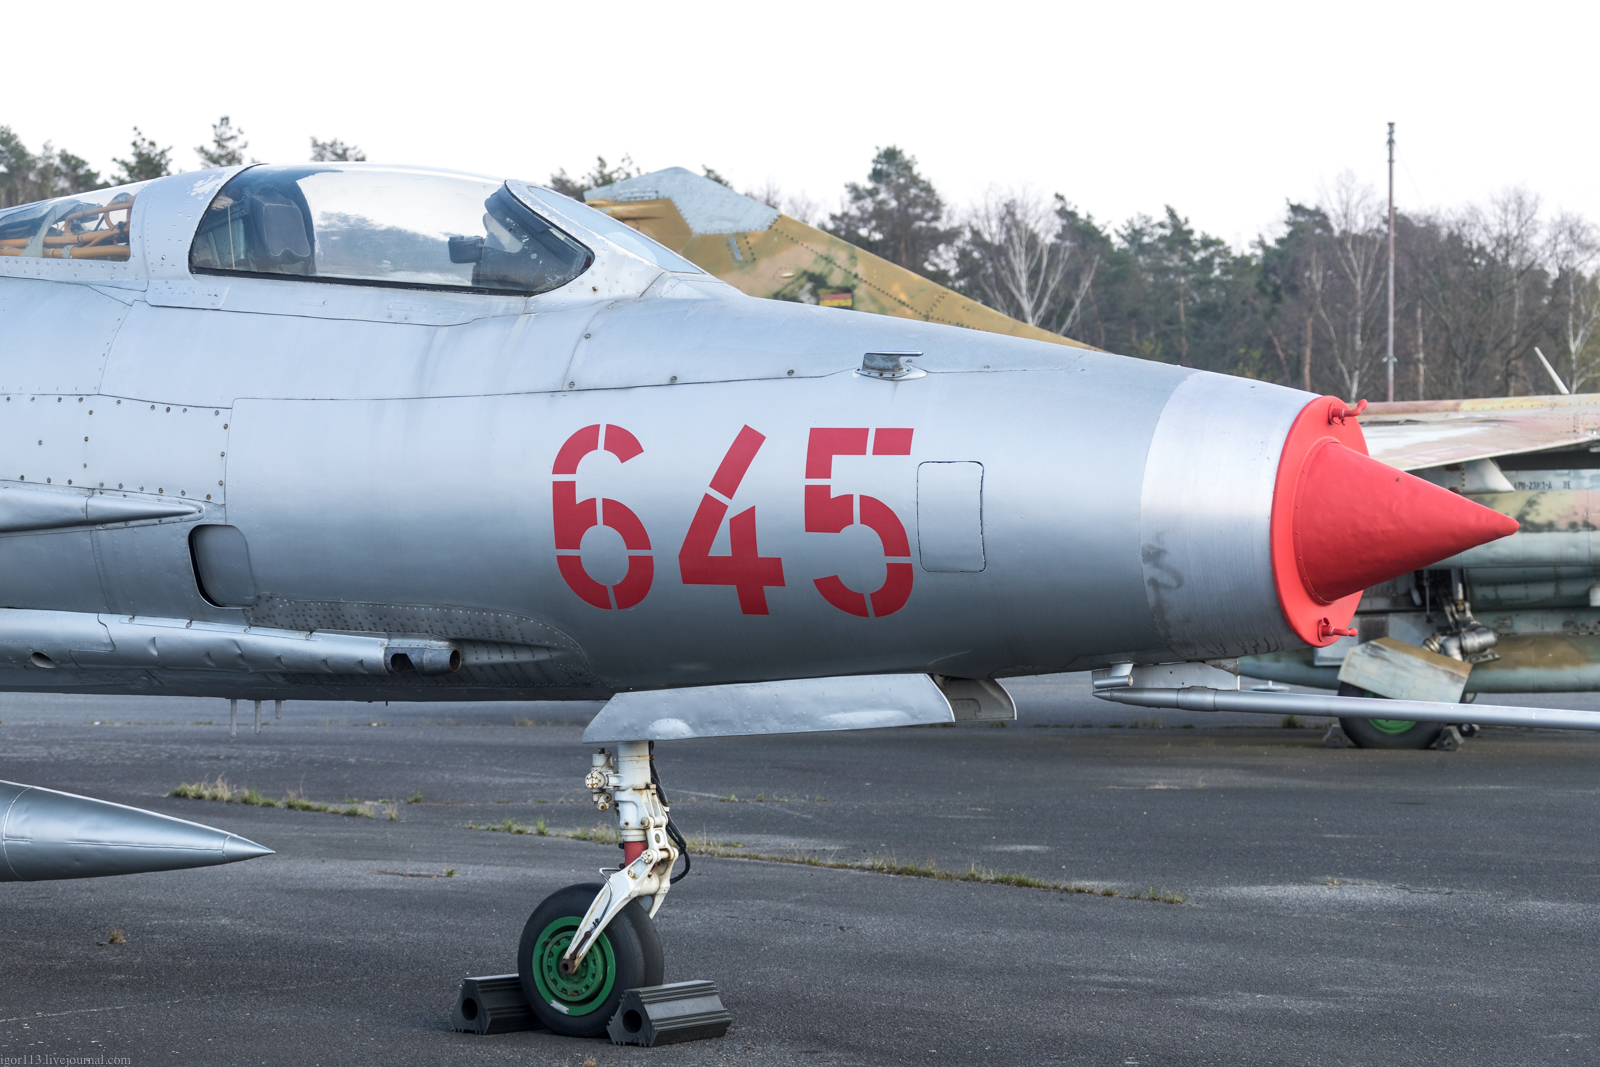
{"x": 146, "y": 160}
{"x": 602, "y": 174}
{"x": 335, "y": 151}
{"x": 896, "y": 215}
{"x": 226, "y": 148}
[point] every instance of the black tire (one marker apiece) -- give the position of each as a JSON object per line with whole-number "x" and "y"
{"x": 626, "y": 956}
{"x": 1386, "y": 733}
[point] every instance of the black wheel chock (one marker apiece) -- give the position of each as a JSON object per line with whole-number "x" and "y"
{"x": 667, "y": 1014}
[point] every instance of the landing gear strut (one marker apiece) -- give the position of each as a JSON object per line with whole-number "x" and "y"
{"x": 585, "y": 945}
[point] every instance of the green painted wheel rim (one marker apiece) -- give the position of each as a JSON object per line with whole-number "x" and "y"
{"x": 1392, "y": 726}
{"x": 581, "y": 993}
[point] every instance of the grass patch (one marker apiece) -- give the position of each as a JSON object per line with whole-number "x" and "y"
{"x": 702, "y": 845}
{"x": 1291, "y": 722}
{"x": 451, "y": 873}
{"x": 115, "y": 937}
{"x": 974, "y": 873}
{"x": 221, "y": 791}
{"x": 539, "y": 829}
{"x": 600, "y": 834}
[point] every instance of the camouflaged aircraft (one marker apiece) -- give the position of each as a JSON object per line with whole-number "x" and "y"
{"x": 364, "y": 432}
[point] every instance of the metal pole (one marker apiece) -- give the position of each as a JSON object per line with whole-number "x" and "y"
{"x": 1389, "y": 360}
{"x": 233, "y": 717}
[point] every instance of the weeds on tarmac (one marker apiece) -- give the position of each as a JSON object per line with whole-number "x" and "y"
{"x": 224, "y": 793}
{"x": 974, "y": 873}
{"x": 704, "y": 846}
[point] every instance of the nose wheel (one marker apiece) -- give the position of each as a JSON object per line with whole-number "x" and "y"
{"x": 1386, "y": 733}
{"x": 578, "y": 1001}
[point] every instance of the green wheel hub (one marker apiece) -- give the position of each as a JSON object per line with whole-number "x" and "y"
{"x": 581, "y": 993}
{"x": 1392, "y": 726}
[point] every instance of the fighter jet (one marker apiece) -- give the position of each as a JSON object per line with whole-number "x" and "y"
{"x": 363, "y": 432}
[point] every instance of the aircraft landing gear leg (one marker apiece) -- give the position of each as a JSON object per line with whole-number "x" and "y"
{"x": 585, "y": 945}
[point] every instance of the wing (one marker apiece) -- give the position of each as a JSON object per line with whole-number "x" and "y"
{"x": 1429, "y": 433}
{"x": 762, "y": 252}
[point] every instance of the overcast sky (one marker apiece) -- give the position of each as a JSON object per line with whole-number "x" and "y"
{"x": 1223, "y": 111}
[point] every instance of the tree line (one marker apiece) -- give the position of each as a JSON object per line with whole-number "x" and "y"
{"x": 1478, "y": 289}
{"x": 26, "y": 176}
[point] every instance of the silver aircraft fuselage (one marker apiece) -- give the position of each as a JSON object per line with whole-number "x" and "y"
{"x": 642, "y": 479}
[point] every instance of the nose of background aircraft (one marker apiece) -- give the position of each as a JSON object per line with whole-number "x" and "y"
{"x": 47, "y": 835}
{"x": 1342, "y": 521}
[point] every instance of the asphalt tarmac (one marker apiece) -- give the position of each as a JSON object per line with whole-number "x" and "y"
{"x": 1342, "y": 906}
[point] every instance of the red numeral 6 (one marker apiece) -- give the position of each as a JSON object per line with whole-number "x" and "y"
{"x": 573, "y": 518}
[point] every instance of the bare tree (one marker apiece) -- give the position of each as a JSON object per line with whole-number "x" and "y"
{"x": 1481, "y": 274}
{"x": 795, "y": 205}
{"x": 1015, "y": 250}
{"x": 1347, "y": 296}
{"x": 1518, "y": 246}
{"x": 1574, "y": 250}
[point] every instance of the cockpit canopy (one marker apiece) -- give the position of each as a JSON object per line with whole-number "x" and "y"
{"x": 384, "y": 226}
{"x": 89, "y": 225}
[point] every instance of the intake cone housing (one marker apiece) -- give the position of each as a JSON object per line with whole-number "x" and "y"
{"x": 1262, "y": 519}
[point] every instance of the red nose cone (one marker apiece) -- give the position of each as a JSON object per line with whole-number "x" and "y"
{"x": 1359, "y": 522}
{"x": 1342, "y": 522}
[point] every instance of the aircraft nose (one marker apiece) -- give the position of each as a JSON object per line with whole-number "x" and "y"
{"x": 236, "y": 848}
{"x": 1343, "y": 522}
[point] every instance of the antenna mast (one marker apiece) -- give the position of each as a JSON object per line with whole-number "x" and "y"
{"x": 1389, "y": 359}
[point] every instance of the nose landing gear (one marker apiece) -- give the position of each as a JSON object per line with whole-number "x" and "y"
{"x": 585, "y": 945}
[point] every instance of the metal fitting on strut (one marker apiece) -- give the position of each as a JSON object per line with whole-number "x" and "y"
{"x": 601, "y": 779}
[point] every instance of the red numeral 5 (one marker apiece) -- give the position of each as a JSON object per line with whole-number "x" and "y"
{"x": 573, "y": 518}
{"x": 826, "y": 513}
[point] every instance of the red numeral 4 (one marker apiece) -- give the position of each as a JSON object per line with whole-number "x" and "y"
{"x": 744, "y": 567}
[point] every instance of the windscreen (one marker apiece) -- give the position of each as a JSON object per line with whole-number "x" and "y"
{"x": 621, "y": 233}
{"x": 383, "y": 226}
